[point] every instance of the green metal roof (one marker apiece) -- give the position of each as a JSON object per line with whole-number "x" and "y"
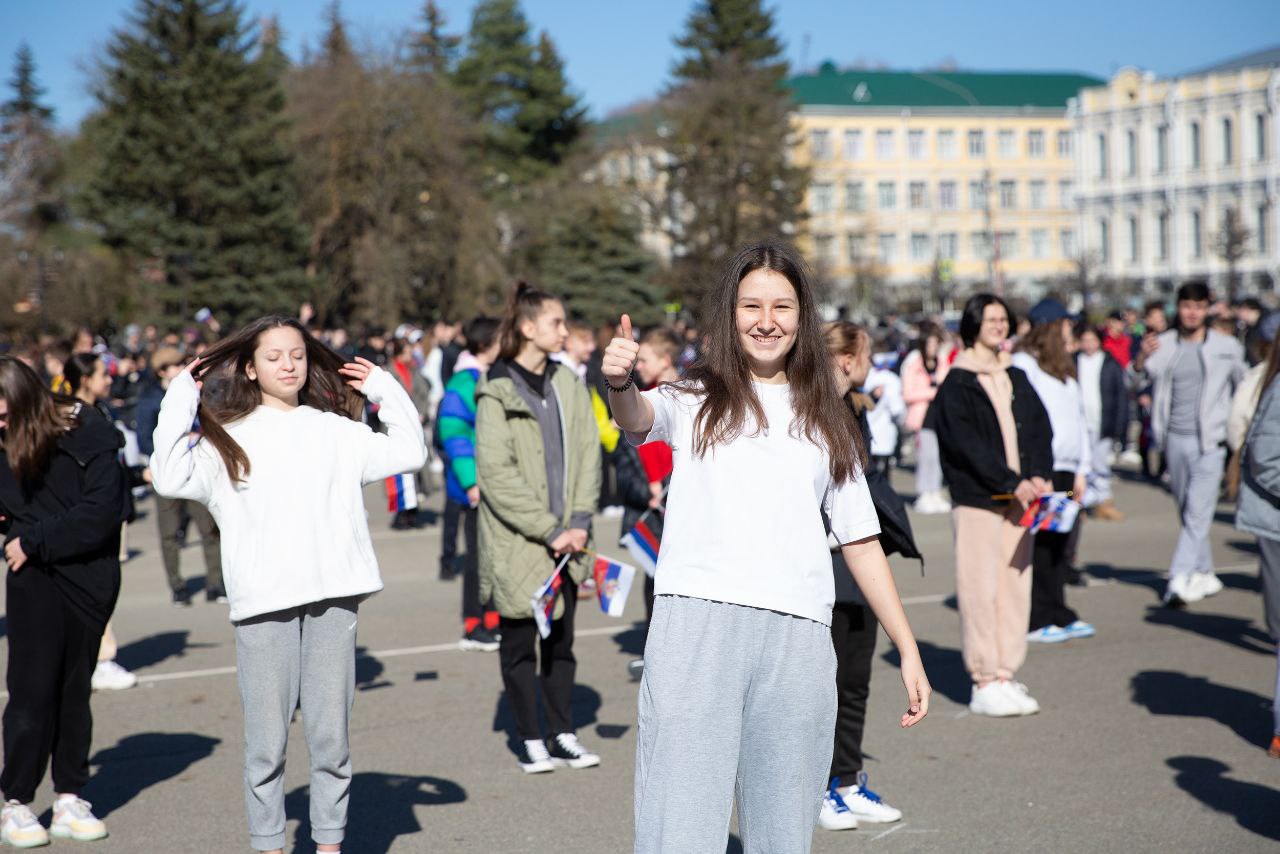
{"x": 830, "y": 87}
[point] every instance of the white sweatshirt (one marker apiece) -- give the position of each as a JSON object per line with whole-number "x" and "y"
{"x": 1065, "y": 405}
{"x": 294, "y": 531}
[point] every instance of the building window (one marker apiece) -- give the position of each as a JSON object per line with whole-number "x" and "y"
{"x": 1037, "y": 196}
{"x": 947, "y": 144}
{"x": 1130, "y": 153}
{"x": 1067, "y": 242}
{"x": 1004, "y": 144}
{"x": 1035, "y": 143}
{"x": 919, "y": 246}
{"x": 915, "y": 144}
{"x": 916, "y": 196}
{"x": 1162, "y": 236}
{"x": 857, "y": 247}
{"x": 824, "y": 198}
{"x": 1104, "y": 240}
{"x": 980, "y": 243}
{"x": 1039, "y": 243}
{"x": 1133, "y": 239}
{"x": 1066, "y": 194}
{"x": 820, "y": 144}
{"x": 825, "y": 244}
{"x": 1007, "y": 241}
{"x": 854, "y": 197}
{"x": 886, "y": 195}
{"x": 1197, "y": 235}
{"x": 948, "y": 244}
{"x": 1064, "y": 143}
{"x": 977, "y": 143}
{"x": 1162, "y": 149}
{"x": 1008, "y": 195}
{"x": 977, "y": 195}
{"x": 1260, "y": 234}
{"x": 888, "y": 245}
{"x": 947, "y": 198}
{"x": 1228, "y": 153}
{"x": 853, "y": 145}
{"x": 884, "y": 144}
{"x": 1102, "y": 155}
{"x": 1194, "y": 132}
{"x": 1260, "y": 136}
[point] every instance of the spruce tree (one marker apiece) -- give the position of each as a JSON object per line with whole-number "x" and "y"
{"x": 195, "y": 179}
{"x": 729, "y": 176}
{"x": 28, "y": 155}
{"x": 432, "y": 51}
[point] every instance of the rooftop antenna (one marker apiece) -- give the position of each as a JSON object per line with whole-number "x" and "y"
{"x": 804, "y": 53}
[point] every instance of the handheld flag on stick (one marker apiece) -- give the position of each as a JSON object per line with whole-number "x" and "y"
{"x": 645, "y": 538}
{"x": 1053, "y": 512}
{"x": 544, "y": 601}
{"x": 613, "y": 584}
{"x": 402, "y": 493}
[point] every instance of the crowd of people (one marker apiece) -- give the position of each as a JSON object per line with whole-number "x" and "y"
{"x": 764, "y": 420}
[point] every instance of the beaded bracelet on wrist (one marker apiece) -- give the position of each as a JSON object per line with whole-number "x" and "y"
{"x": 630, "y": 382}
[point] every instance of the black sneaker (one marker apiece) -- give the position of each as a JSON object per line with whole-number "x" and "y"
{"x": 479, "y": 639}
{"x": 533, "y": 757}
{"x": 219, "y": 596}
{"x": 566, "y": 750}
{"x": 401, "y": 522}
{"x": 181, "y": 599}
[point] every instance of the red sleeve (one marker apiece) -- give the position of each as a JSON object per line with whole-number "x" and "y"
{"x": 656, "y": 457}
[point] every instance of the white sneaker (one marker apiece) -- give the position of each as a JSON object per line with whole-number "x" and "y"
{"x": 1207, "y": 583}
{"x": 535, "y": 759}
{"x": 1049, "y": 634}
{"x": 567, "y": 750}
{"x": 835, "y": 814}
{"x": 994, "y": 701}
{"x": 866, "y": 804}
{"x": 20, "y": 828}
{"x": 73, "y": 818}
{"x": 109, "y": 676}
{"x": 1182, "y": 589}
{"x": 1021, "y": 697}
{"x": 942, "y": 501}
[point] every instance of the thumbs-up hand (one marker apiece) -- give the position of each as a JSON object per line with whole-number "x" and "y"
{"x": 620, "y": 356}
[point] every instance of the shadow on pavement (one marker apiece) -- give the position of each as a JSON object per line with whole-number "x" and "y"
{"x": 945, "y": 668}
{"x": 368, "y": 671}
{"x": 1152, "y": 579}
{"x": 632, "y": 640}
{"x": 1165, "y": 692}
{"x": 1236, "y": 631}
{"x": 150, "y": 651}
{"x": 138, "y": 762}
{"x": 1247, "y": 546}
{"x": 586, "y": 704}
{"x": 1253, "y": 806}
{"x": 381, "y": 809}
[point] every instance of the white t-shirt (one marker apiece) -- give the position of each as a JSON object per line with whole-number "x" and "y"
{"x": 744, "y": 522}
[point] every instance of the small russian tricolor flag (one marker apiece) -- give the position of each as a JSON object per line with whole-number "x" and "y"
{"x": 402, "y": 493}
{"x": 644, "y": 540}
{"x": 544, "y": 601}
{"x": 613, "y": 584}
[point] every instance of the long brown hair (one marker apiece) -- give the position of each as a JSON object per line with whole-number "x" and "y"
{"x": 524, "y": 303}
{"x": 845, "y": 338}
{"x": 234, "y": 395}
{"x": 35, "y": 420}
{"x": 1044, "y": 343}
{"x": 721, "y": 376}
{"x": 1273, "y": 366}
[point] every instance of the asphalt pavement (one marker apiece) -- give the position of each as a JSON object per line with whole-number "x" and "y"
{"x": 1152, "y": 735}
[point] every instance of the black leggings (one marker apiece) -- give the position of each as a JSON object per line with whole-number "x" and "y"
{"x": 1049, "y": 570}
{"x": 518, "y": 653}
{"x": 52, "y": 653}
{"x": 853, "y": 633}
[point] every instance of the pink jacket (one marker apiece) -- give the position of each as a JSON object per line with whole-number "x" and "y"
{"x": 917, "y": 388}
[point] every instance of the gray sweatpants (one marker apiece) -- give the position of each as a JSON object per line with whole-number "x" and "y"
{"x": 305, "y": 654}
{"x": 1195, "y": 478}
{"x": 928, "y": 462}
{"x": 739, "y": 704}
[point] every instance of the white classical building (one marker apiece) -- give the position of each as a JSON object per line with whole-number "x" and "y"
{"x": 1160, "y": 162}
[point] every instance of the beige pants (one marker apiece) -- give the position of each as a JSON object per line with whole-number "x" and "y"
{"x": 993, "y": 588}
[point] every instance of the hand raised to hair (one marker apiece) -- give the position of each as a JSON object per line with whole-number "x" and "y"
{"x": 195, "y": 375}
{"x": 620, "y": 356}
{"x": 358, "y": 372}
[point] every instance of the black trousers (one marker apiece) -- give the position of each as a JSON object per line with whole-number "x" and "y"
{"x": 449, "y": 533}
{"x": 853, "y": 634}
{"x": 1050, "y": 568}
{"x": 52, "y": 653}
{"x": 471, "y": 605}
{"x": 518, "y": 657}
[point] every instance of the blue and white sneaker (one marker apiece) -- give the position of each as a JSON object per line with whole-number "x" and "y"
{"x": 836, "y": 814}
{"x": 1080, "y": 629}
{"x": 1049, "y": 634}
{"x": 866, "y": 805}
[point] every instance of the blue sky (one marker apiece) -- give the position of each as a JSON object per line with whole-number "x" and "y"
{"x": 620, "y": 51}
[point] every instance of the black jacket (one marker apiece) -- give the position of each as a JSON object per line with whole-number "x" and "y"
{"x": 147, "y": 415}
{"x": 69, "y": 522}
{"x": 972, "y": 451}
{"x": 1115, "y": 398}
